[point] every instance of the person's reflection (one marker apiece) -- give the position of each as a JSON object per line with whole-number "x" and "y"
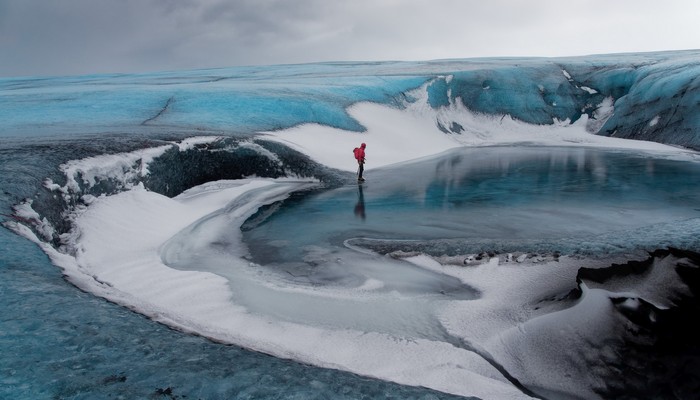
{"x": 360, "y": 206}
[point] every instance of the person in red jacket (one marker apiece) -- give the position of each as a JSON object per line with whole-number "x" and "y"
{"x": 360, "y": 157}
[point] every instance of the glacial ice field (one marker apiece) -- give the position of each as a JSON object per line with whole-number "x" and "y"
{"x": 529, "y": 228}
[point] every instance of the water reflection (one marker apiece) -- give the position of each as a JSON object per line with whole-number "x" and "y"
{"x": 360, "y": 205}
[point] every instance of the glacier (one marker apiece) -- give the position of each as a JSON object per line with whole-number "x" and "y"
{"x": 529, "y": 229}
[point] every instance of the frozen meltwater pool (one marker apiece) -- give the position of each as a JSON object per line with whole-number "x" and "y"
{"x": 318, "y": 257}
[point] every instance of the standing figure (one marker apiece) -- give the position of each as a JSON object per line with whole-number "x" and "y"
{"x": 360, "y": 157}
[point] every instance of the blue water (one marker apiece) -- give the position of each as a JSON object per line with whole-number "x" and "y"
{"x": 498, "y": 199}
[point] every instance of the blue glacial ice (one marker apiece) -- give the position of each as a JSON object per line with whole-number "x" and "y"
{"x": 655, "y": 95}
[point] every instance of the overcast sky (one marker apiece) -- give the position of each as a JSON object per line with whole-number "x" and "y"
{"x": 67, "y": 37}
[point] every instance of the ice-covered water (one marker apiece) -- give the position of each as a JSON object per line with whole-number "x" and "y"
{"x": 59, "y": 342}
{"x": 549, "y": 202}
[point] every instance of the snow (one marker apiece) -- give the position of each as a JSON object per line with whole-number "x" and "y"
{"x": 127, "y": 248}
{"x": 135, "y": 162}
{"x": 117, "y": 256}
{"x": 394, "y": 136}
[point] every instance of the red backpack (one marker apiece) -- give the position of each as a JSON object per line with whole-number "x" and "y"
{"x": 359, "y": 153}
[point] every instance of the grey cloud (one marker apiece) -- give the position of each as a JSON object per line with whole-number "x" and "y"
{"x": 92, "y": 36}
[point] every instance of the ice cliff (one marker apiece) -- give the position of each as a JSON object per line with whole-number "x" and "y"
{"x": 654, "y": 97}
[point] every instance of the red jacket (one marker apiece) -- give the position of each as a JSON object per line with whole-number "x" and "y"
{"x": 360, "y": 153}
